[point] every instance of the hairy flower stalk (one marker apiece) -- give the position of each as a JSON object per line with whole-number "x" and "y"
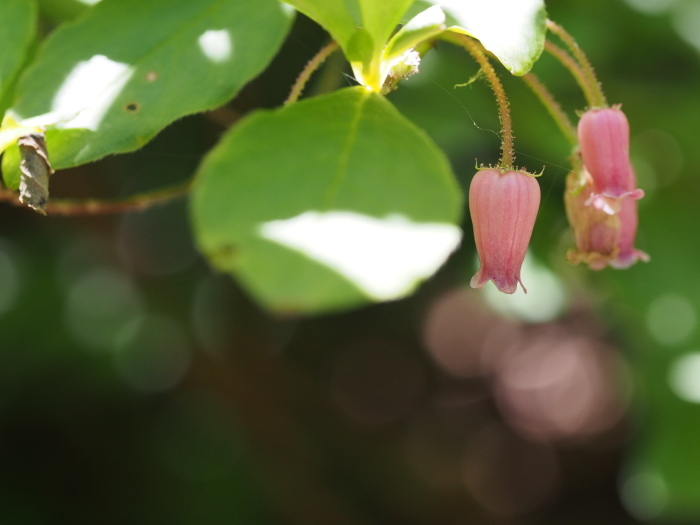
{"x": 503, "y": 202}
{"x": 503, "y": 205}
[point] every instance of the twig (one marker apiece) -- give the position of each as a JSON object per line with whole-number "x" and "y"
{"x": 76, "y": 207}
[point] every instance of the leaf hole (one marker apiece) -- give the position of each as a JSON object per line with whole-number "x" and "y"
{"x": 132, "y": 107}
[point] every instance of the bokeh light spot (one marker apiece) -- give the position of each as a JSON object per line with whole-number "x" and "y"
{"x": 556, "y": 386}
{"x": 545, "y": 300}
{"x": 686, "y": 20}
{"x": 99, "y": 304}
{"x": 152, "y": 353}
{"x": 463, "y": 336}
{"x": 684, "y": 377}
{"x": 671, "y": 319}
{"x": 644, "y": 494}
{"x": 657, "y": 157}
{"x": 651, "y": 6}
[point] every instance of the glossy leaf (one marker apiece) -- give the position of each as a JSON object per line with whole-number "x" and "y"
{"x": 100, "y": 90}
{"x": 421, "y": 27}
{"x": 513, "y": 30}
{"x": 17, "y": 32}
{"x": 326, "y": 204}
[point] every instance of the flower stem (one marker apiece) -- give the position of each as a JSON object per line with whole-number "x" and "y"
{"x": 311, "y": 66}
{"x": 507, "y": 147}
{"x": 75, "y": 207}
{"x": 574, "y": 68}
{"x": 552, "y": 106}
{"x": 595, "y": 95}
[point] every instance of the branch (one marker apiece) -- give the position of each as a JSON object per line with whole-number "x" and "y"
{"x": 76, "y": 207}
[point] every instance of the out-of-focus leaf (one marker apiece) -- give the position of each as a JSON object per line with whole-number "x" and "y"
{"x": 62, "y": 10}
{"x": 370, "y": 205}
{"x": 339, "y": 17}
{"x": 17, "y": 31}
{"x": 128, "y": 68}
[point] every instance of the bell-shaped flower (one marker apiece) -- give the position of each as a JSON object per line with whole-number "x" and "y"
{"x": 604, "y": 228}
{"x": 627, "y": 255}
{"x": 604, "y": 137}
{"x": 503, "y": 205}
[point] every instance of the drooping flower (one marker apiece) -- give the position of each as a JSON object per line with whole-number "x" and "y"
{"x": 604, "y": 227}
{"x": 503, "y": 205}
{"x": 627, "y": 255}
{"x": 604, "y": 138}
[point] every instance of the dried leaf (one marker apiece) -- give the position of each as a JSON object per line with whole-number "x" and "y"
{"x": 36, "y": 170}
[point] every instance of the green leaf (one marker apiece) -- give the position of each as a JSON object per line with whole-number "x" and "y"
{"x": 401, "y": 56}
{"x": 128, "y": 68}
{"x": 341, "y": 18}
{"x": 327, "y": 204}
{"x": 17, "y": 32}
{"x": 361, "y": 27}
{"x": 513, "y": 30}
{"x": 360, "y": 48}
{"x": 64, "y": 9}
{"x": 423, "y": 26}
{"x": 380, "y": 19}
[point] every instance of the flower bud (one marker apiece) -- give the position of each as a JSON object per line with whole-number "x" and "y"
{"x": 604, "y": 228}
{"x": 604, "y": 138}
{"x": 503, "y": 207}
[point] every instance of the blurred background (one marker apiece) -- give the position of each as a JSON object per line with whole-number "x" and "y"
{"x": 138, "y": 386}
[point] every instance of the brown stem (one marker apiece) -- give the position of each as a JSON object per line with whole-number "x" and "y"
{"x": 507, "y": 146}
{"x": 75, "y": 207}
{"x": 311, "y": 66}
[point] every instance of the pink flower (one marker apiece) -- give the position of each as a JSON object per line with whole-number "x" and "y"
{"x": 604, "y": 137}
{"x": 627, "y": 255}
{"x": 604, "y": 228}
{"x": 503, "y": 206}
